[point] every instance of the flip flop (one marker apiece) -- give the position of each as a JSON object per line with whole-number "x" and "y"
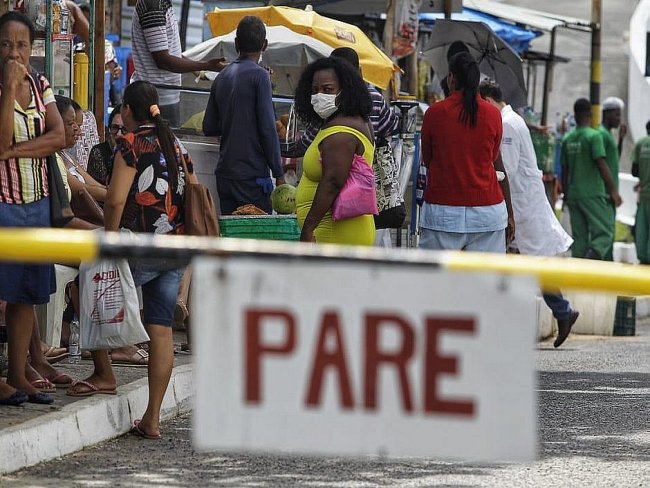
{"x": 136, "y": 430}
{"x": 60, "y": 380}
{"x": 14, "y": 400}
{"x": 40, "y": 398}
{"x": 139, "y": 358}
{"x": 91, "y": 390}
{"x": 53, "y": 354}
{"x": 43, "y": 385}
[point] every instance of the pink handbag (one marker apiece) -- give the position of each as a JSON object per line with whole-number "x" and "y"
{"x": 358, "y": 195}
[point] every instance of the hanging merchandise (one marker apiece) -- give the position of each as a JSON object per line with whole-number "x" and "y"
{"x": 64, "y": 19}
{"x": 405, "y": 34}
{"x": 36, "y": 11}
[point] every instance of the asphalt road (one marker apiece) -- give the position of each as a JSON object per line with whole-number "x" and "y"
{"x": 594, "y": 430}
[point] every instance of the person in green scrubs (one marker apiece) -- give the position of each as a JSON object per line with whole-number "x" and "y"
{"x": 612, "y": 115}
{"x": 641, "y": 169}
{"x": 588, "y": 187}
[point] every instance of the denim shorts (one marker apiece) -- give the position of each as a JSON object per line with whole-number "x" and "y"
{"x": 159, "y": 291}
{"x": 26, "y": 283}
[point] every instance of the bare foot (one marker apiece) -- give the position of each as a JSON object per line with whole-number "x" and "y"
{"x": 101, "y": 383}
{"x": 22, "y": 384}
{"x": 148, "y": 427}
{"x": 130, "y": 355}
{"x": 5, "y": 390}
{"x": 45, "y": 369}
{"x": 37, "y": 380}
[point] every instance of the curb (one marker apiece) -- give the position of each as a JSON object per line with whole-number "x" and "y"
{"x": 89, "y": 421}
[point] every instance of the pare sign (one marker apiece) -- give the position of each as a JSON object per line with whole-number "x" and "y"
{"x": 325, "y": 357}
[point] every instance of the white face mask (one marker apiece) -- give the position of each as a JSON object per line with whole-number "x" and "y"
{"x": 324, "y": 104}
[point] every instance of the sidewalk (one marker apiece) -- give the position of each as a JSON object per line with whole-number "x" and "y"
{"x": 31, "y": 433}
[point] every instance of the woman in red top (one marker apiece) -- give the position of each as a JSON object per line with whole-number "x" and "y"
{"x": 464, "y": 205}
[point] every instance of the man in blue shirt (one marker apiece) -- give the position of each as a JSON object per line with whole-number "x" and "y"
{"x": 240, "y": 110}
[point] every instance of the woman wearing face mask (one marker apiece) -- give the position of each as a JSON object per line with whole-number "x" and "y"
{"x": 332, "y": 94}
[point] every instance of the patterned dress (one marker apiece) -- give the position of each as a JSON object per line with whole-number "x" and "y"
{"x": 155, "y": 203}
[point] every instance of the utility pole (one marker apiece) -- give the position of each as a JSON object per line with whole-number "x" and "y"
{"x": 389, "y": 28}
{"x": 448, "y": 8}
{"x": 596, "y": 68}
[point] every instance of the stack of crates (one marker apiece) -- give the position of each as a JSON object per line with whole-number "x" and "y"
{"x": 267, "y": 227}
{"x": 625, "y": 317}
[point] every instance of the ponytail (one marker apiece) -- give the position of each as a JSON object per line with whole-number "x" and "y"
{"x": 467, "y": 74}
{"x": 167, "y": 142}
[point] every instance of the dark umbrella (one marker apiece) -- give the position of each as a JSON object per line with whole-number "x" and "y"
{"x": 497, "y": 60}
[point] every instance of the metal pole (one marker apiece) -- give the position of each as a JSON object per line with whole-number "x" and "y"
{"x": 48, "y": 41}
{"x": 548, "y": 78}
{"x": 98, "y": 16}
{"x": 413, "y": 73}
{"x": 389, "y": 27}
{"x": 185, "y": 15}
{"x": 594, "y": 89}
{"x": 448, "y": 8}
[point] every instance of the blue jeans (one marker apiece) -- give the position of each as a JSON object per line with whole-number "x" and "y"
{"x": 23, "y": 282}
{"x": 159, "y": 291}
{"x": 558, "y": 304}
{"x": 494, "y": 241}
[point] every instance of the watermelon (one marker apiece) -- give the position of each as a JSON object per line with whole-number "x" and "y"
{"x": 283, "y": 199}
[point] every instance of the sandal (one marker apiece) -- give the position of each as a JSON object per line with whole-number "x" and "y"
{"x": 139, "y": 358}
{"x": 55, "y": 354}
{"x": 141, "y": 433}
{"x": 60, "y": 380}
{"x": 84, "y": 388}
{"x": 43, "y": 385}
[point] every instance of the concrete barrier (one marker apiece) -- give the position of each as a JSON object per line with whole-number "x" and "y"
{"x": 598, "y": 314}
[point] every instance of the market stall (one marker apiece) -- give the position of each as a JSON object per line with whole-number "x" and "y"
{"x": 71, "y": 59}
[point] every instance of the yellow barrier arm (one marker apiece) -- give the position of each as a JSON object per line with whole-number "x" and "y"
{"x": 70, "y": 246}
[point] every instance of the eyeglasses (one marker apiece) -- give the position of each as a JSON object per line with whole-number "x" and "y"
{"x": 115, "y": 128}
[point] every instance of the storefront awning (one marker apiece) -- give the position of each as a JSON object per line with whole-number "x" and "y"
{"x": 534, "y": 19}
{"x": 518, "y": 38}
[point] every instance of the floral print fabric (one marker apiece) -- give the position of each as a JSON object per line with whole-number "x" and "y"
{"x": 154, "y": 205}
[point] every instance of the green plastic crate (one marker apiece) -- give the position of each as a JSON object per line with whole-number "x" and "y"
{"x": 625, "y": 317}
{"x": 267, "y": 227}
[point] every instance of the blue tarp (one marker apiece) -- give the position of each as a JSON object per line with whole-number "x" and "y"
{"x": 517, "y": 37}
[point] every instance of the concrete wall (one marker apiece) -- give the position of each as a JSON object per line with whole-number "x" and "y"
{"x": 639, "y": 85}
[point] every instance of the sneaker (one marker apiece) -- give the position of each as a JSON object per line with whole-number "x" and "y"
{"x": 564, "y": 327}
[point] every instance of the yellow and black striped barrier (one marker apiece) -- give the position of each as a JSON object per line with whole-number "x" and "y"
{"x": 70, "y": 246}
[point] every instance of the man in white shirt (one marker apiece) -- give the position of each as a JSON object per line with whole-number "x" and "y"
{"x": 157, "y": 54}
{"x": 539, "y": 233}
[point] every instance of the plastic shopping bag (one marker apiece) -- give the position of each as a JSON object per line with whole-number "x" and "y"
{"x": 110, "y": 311}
